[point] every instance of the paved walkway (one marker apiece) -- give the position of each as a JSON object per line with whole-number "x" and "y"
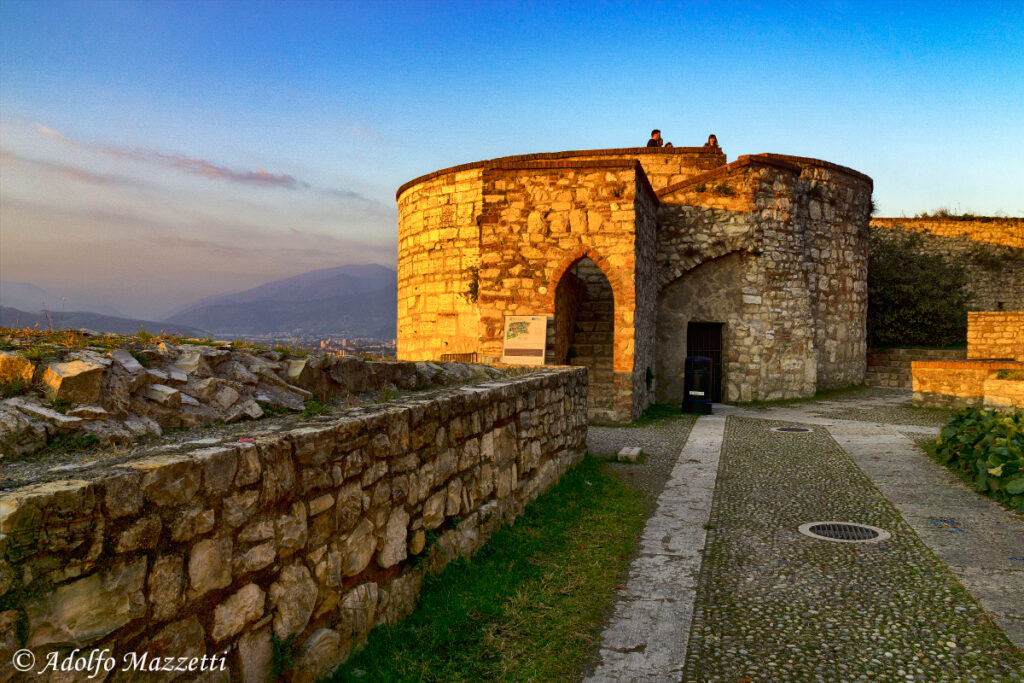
{"x": 770, "y": 605}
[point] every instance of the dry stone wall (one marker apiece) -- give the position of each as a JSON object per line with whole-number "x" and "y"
{"x": 311, "y": 536}
{"x": 991, "y": 252}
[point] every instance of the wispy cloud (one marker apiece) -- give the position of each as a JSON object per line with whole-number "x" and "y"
{"x": 72, "y": 172}
{"x": 181, "y": 162}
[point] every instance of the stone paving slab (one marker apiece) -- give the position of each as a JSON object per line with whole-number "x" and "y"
{"x": 646, "y": 638}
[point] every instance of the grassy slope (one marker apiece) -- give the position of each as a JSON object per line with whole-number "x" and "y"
{"x": 529, "y": 605}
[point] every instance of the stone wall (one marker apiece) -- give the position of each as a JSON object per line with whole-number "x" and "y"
{"x": 996, "y": 335}
{"x": 438, "y": 262}
{"x": 1008, "y": 232}
{"x": 955, "y": 384}
{"x": 310, "y": 536}
{"x": 1004, "y": 395}
{"x": 991, "y": 252}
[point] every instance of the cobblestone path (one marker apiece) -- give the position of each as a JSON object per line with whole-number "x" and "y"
{"x": 756, "y": 601}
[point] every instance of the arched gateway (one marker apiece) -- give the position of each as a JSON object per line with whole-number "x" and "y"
{"x": 624, "y": 250}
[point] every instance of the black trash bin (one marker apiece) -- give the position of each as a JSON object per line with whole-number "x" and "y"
{"x": 697, "y": 385}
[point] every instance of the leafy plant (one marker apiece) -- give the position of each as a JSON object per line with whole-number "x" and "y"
{"x": 282, "y": 656}
{"x": 724, "y": 190}
{"x": 988, "y": 446}
{"x": 472, "y": 292}
{"x": 314, "y": 407}
{"x": 1010, "y": 374}
{"x": 144, "y": 335}
{"x": 700, "y": 188}
{"x": 914, "y": 299}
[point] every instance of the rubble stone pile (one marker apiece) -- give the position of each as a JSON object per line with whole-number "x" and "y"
{"x": 118, "y": 396}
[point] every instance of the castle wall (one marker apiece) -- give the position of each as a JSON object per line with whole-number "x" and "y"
{"x": 643, "y": 378}
{"x": 991, "y": 252}
{"x": 438, "y": 262}
{"x": 832, "y": 208}
{"x": 312, "y": 535}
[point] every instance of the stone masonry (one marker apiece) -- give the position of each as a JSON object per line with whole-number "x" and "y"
{"x": 772, "y": 248}
{"x": 310, "y": 536}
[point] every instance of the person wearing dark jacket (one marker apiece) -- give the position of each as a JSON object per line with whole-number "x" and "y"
{"x": 655, "y": 140}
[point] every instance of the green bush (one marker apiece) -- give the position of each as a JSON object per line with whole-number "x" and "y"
{"x": 914, "y": 299}
{"x": 988, "y": 447}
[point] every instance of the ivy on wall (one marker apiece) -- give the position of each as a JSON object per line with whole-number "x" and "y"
{"x": 914, "y": 298}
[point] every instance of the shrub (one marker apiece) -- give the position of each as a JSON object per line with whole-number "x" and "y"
{"x": 914, "y": 299}
{"x": 988, "y": 447}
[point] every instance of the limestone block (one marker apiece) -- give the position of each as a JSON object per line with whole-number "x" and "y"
{"x": 14, "y": 367}
{"x": 87, "y": 609}
{"x": 127, "y": 361}
{"x": 141, "y": 535}
{"x": 89, "y": 412}
{"x": 202, "y": 390}
{"x": 395, "y": 539}
{"x": 358, "y": 611}
{"x": 239, "y": 507}
{"x": 255, "y": 558}
{"x": 291, "y": 530}
{"x": 162, "y": 394}
{"x": 292, "y": 598}
{"x": 255, "y": 654}
{"x": 226, "y": 397}
{"x": 349, "y": 506}
{"x": 18, "y": 434}
{"x": 322, "y": 652}
{"x": 219, "y": 467}
{"x": 74, "y": 382}
{"x": 433, "y": 510}
{"x": 166, "y": 582}
{"x": 169, "y": 480}
{"x": 62, "y": 423}
{"x": 358, "y": 548}
{"x": 240, "y": 609}
{"x": 209, "y": 565}
{"x": 191, "y": 522}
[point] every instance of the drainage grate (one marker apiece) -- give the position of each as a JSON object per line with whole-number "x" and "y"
{"x": 844, "y": 532}
{"x": 791, "y": 430}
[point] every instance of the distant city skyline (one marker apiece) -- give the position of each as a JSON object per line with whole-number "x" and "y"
{"x": 156, "y": 153}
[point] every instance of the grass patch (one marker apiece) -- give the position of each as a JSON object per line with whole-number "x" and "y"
{"x": 822, "y": 395}
{"x": 15, "y": 387}
{"x": 314, "y": 407}
{"x": 529, "y": 605}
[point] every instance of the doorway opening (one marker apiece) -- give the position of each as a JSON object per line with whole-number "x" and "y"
{"x": 585, "y": 332}
{"x": 705, "y": 339}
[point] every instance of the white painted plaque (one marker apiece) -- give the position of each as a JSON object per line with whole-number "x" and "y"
{"x": 524, "y": 340}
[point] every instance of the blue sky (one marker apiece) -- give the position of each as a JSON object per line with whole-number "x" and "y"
{"x": 152, "y": 153}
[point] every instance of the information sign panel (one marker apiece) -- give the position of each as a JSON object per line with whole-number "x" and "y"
{"x": 524, "y": 340}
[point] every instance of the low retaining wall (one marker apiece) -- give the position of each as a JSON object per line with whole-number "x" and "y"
{"x": 310, "y": 537}
{"x": 1005, "y": 395}
{"x": 955, "y": 384}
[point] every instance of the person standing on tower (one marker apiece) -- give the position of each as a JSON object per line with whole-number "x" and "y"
{"x": 655, "y": 140}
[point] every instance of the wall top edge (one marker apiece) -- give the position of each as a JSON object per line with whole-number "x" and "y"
{"x": 712, "y": 152}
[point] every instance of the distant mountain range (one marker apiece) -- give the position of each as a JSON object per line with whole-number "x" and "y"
{"x": 14, "y": 317}
{"x": 353, "y": 300}
{"x": 356, "y": 300}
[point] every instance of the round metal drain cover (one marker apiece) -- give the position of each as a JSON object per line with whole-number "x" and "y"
{"x": 791, "y": 430}
{"x": 844, "y": 532}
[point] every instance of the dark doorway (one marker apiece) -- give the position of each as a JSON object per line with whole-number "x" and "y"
{"x": 585, "y": 332}
{"x": 705, "y": 339}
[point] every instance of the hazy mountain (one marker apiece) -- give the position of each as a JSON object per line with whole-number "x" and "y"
{"x": 355, "y": 300}
{"x": 28, "y": 297}
{"x": 13, "y": 317}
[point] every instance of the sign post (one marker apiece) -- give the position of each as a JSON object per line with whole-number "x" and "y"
{"x": 524, "y": 340}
